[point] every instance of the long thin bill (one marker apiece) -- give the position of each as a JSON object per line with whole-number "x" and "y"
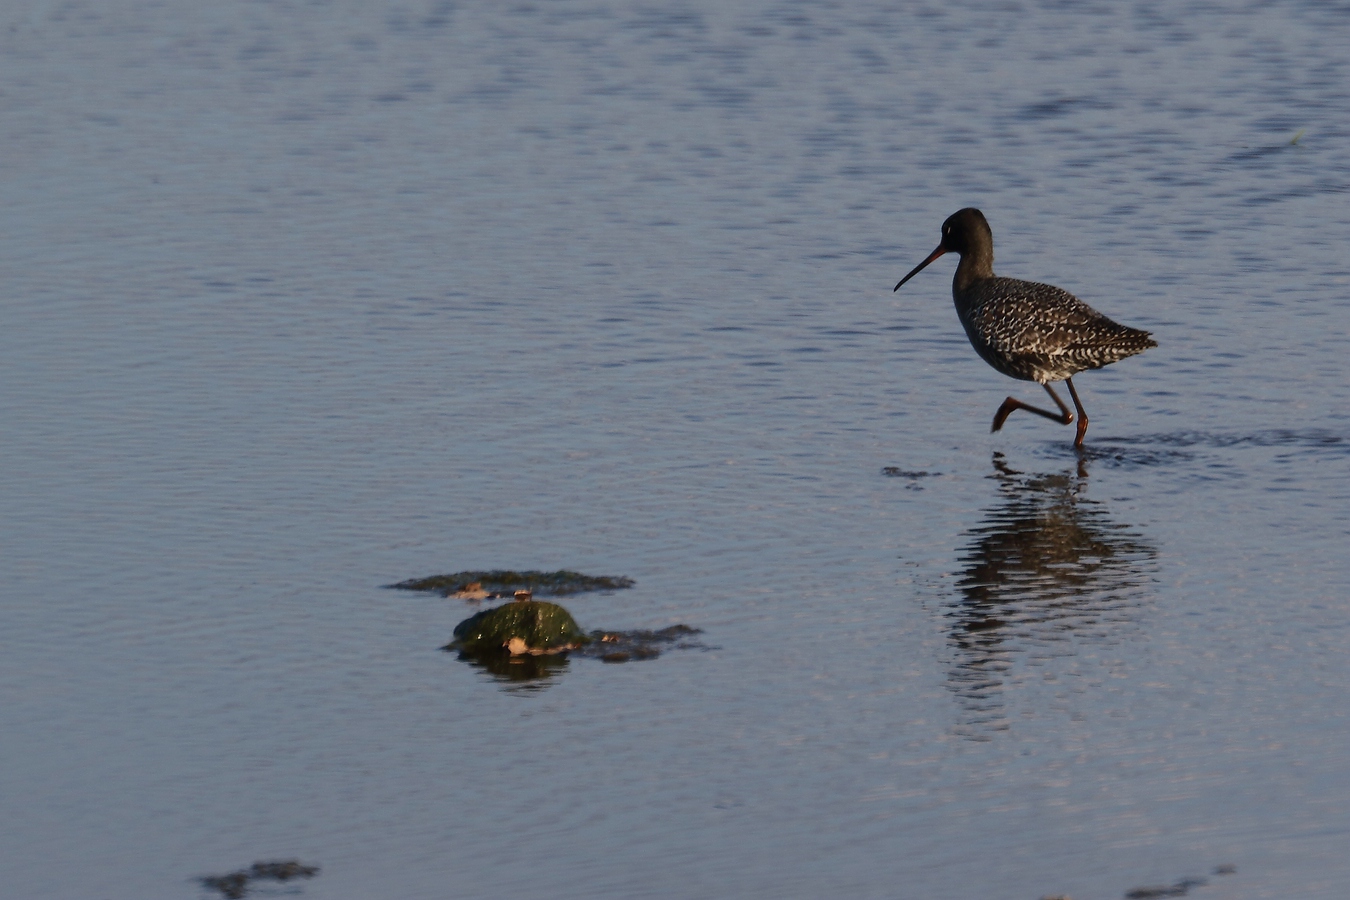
{"x": 919, "y": 268}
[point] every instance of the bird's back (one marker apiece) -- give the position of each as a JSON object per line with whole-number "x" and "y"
{"x": 1038, "y": 332}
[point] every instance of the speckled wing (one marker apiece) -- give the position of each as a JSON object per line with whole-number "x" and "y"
{"x": 1039, "y": 332}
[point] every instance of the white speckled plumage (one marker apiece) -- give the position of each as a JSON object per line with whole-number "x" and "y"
{"x": 1038, "y": 332}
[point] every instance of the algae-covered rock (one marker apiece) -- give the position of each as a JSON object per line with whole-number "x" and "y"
{"x": 533, "y": 626}
{"x": 481, "y": 585}
{"x": 527, "y": 643}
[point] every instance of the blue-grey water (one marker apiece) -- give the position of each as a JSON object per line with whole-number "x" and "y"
{"x": 304, "y": 298}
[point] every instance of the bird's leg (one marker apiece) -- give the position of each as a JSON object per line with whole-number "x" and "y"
{"x": 1064, "y": 417}
{"x": 1082, "y": 413}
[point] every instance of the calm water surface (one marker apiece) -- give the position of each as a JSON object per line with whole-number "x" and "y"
{"x": 302, "y": 299}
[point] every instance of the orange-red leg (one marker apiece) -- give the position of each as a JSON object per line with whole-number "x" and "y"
{"x": 1082, "y": 414}
{"x": 1063, "y": 417}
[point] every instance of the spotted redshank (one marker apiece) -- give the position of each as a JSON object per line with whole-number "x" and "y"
{"x": 1035, "y": 332}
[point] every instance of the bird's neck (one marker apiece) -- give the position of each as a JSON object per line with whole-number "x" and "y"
{"x": 976, "y": 265}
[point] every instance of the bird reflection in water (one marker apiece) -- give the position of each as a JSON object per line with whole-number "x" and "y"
{"x": 1045, "y": 571}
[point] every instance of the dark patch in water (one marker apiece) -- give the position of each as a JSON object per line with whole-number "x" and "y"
{"x": 1180, "y": 889}
{"x": 238, "y": 884}
{"x": 499, "y": 583}
{"x": 1062, "y": 106}
{"x": 624, "y": 646}
{"x": 897, "y": 472}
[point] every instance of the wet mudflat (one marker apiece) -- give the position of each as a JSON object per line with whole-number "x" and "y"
{"x": 303, "y": 300}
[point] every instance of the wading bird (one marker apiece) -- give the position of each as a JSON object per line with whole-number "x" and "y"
{"x": 1035, "y": 332}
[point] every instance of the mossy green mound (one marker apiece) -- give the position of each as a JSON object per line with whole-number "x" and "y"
{"x": 504, "y": 581}
{"x": 531, "y": 627}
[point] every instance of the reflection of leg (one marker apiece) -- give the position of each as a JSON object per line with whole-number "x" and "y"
{"x": 1064, "y": 417}
{"x": 1001, "y": 465}
{"x": 1082, "y": 413}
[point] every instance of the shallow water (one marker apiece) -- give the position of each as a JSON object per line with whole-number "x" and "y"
{"x": 306, "y": 299}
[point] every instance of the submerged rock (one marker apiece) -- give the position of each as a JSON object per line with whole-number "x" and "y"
{"x": 531, "y": 627}
{"x": 237, "y": 884}
{"x": 486, "y": 585}
{"x": 528, "y": 642}
{"x": 1180, "y": 889}
{"x": 625, "y": 646}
